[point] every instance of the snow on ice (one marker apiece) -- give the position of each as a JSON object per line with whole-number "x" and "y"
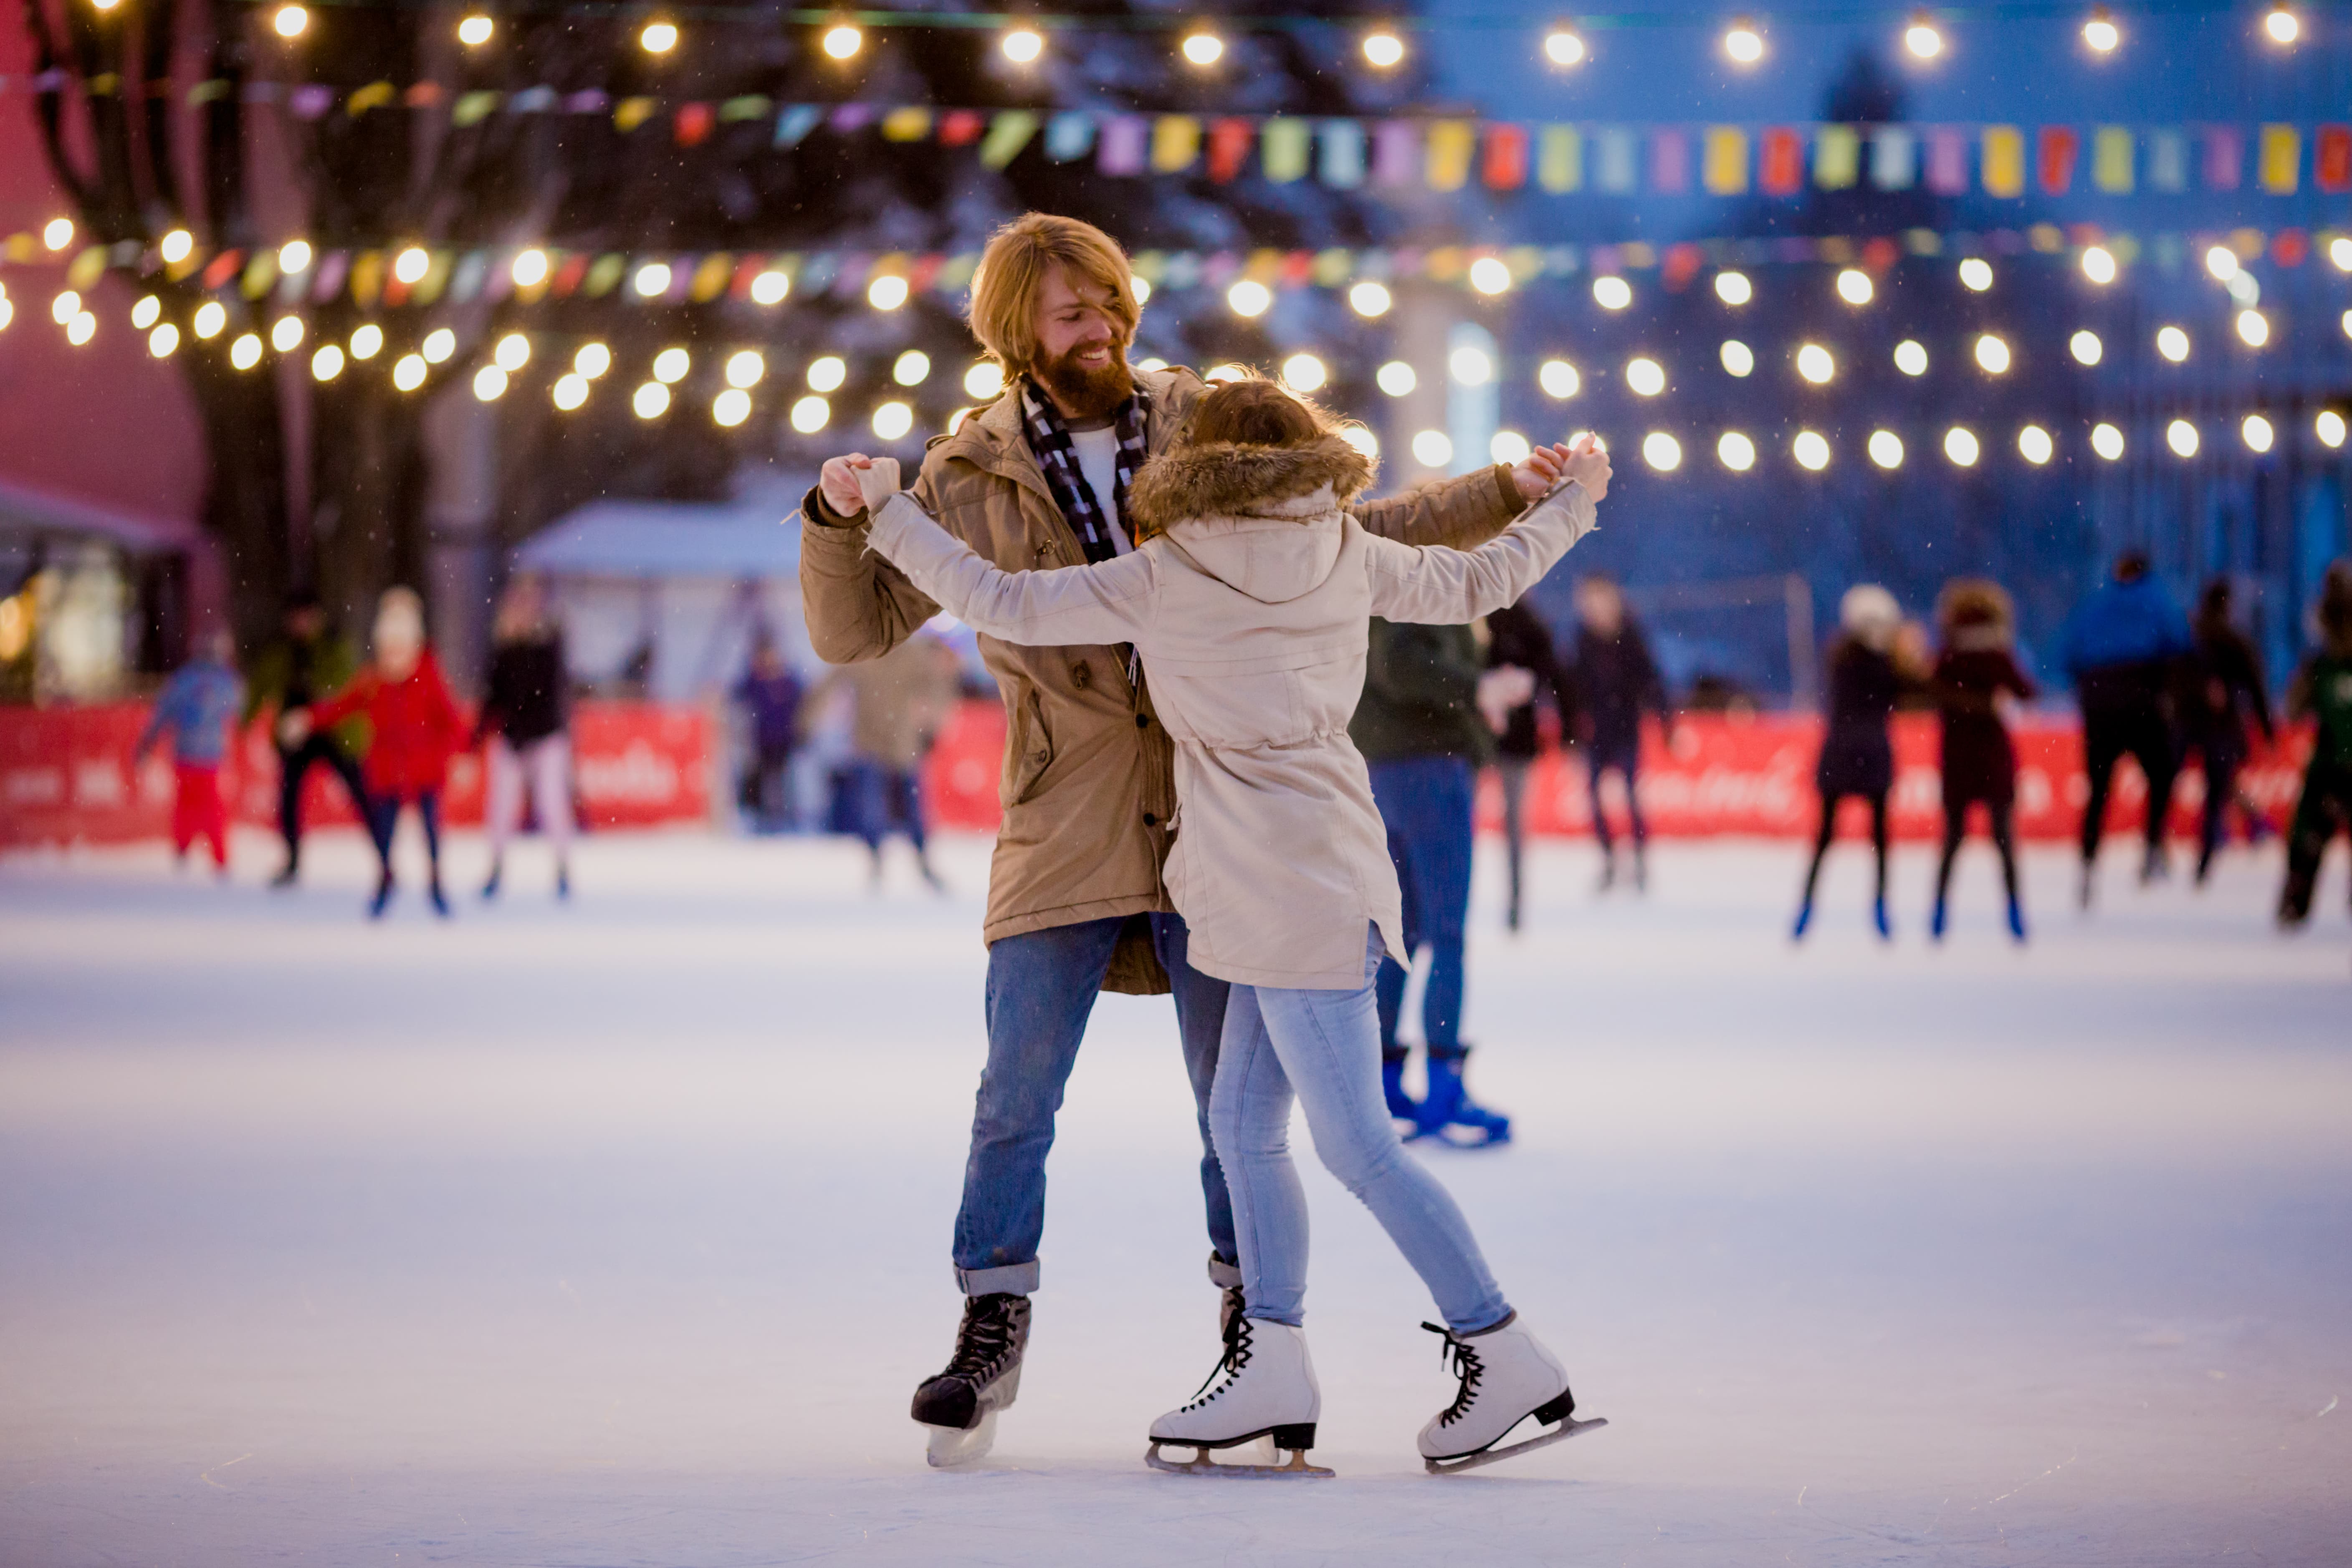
{"x": 616, "y": 1234}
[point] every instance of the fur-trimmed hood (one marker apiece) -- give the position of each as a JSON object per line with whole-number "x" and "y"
{"x": 1223, "y": 478}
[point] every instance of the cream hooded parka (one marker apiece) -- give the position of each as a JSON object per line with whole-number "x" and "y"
{"x": 1249, "y": 609}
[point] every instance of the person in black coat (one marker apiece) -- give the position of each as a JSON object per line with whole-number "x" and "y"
{"x": 1976, "y": 671}
{"x": 2224, "y": 690}
{"x": 526, "y": 721}
{"x": 1615, "y": 682}
{"x": 1857, "y": 757}
{"x": 1522, "y": 670}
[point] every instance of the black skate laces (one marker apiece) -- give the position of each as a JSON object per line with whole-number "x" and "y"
{"x": 983, "y": 1339}
{"x": 1229, "y": 1365}
{"x": 1458, "y": 1356}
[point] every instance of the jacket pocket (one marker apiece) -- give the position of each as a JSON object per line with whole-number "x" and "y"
{"x": 1028, "y": 748}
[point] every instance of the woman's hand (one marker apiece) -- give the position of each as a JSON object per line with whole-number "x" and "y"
{"x": 1536, "y": 477}
{"x": 877, "y": 482}
{"x": 837, "y": 482}
{"x": 1586, "y": 463}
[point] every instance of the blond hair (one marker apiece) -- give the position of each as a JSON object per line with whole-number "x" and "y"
{"x": 1003, "y": 314}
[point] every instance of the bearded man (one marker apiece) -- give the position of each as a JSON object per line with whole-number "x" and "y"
{"x": 1077, "y": 904}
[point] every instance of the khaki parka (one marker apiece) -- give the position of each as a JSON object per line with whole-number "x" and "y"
{"x": 1088, "y": 784}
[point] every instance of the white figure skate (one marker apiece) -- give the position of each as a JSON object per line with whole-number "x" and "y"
{"x": 1266, "y": 1390}
{"x": 1507, "y": 1376}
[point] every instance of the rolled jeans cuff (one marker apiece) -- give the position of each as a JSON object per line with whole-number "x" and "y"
{"x": 1224, "y": 1276}
{"x": 1008, "y": 1279}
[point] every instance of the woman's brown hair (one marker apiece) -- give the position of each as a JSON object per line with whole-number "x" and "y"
{"x": 1253, "y": 411}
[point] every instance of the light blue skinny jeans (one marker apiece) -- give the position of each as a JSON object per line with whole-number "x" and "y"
{"x": 1324, "y": 1046}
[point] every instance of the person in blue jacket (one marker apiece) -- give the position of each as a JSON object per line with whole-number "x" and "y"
{"x": 197, "y": 708}
{"x": 2123, "y": 648}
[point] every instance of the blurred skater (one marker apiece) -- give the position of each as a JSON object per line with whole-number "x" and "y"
{"x": 1975, "y": 674}
{"x": 1418, "y": 727}
{"x": 1522, "y": 669}
{"x": 1857, "y": 758}
{"x": 1616, "y": 682}
{"x": 197, "y": 708}
{"x": 526, "y": 722}
{"x": 2224, "y": 690}
{"x": 770, "y": 696}
{"x": 898, "y": 703}
{"x": 309, "y": 660}
{"x": 2122, "y": 647}
{"x": 1251, "y": 613}
{"x": 415, "y": 729}
{"x": 2323, "y": 690}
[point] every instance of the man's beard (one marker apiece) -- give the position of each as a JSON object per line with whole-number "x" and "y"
{"x": 1087, "y": 393}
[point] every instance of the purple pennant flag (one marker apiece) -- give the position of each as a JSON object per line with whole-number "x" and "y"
{"x": 1121, "y": 147}
{"x": 588, "y": 100}
{"x": 1396, "y": 153}
{"x": 1947, "y": 162}
{"x": 850, "y": 116}
{"x": 310, "y": 100}
{"x": 2225, "y": 157}
{"x": 333, "y": 269}
{"x": 1670, "y": 162}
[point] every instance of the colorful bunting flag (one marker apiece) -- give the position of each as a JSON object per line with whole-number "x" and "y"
{"x": 1837, "y": 157}
{"x": 1560, "y": 167}
{"x": 2281, "y": 159}
{"x": 2111, "y": 159}
{"x": 1894, "y": 159}
{"x": 1343, "y": 155}
{"x": 1283, "y": 148}
{"x": 1724, "y": 168}
{"x": 1450, "y": 144}
{"x": 2004, "y": 161}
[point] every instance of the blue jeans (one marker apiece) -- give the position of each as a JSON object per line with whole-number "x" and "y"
{"x": 1324, "y": 1046}
{"x": 1426, "y": 803}
{"x": 882, "y": 798}
{"x": 384, "y": 818}
{"x": 1041, "y": 985}
{"x": 1627, "y": 761}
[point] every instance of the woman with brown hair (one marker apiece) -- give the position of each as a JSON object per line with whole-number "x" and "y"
{"x": 1248, "y": 597}
{"x": 1975, "y": 674}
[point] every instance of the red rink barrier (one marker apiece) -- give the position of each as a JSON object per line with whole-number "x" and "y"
{"x": 1751, "y": 776}
{"x": 66, "y": 774}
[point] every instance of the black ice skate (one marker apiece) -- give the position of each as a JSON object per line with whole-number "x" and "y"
{"x": 984, "y": 1376}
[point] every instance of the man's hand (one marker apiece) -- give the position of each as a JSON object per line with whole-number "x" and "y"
{"x": 1536, "y": 477}
{"x": 837, "y": 482}
{"x": 877, "y": 482}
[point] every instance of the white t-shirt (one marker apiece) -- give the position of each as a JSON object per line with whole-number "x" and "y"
{"x": 1098, "y": 460}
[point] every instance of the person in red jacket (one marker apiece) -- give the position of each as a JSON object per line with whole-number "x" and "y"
{"x": 415, "y": 726}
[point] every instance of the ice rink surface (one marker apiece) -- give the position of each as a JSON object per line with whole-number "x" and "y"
{"x": 616, "y": 1234}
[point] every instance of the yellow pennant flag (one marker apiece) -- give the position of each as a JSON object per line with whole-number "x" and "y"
{"x": 1837, "y": 157}
{"x": 2111, "y": 159}
{"x": 2004, "y": 161}
{"x": 1559, "y": 159}
{"x": 2281, "y": 159}
{"x": 1450, "y": 144}
{"x": 1007, "y": 134}
{"x": 907, "y": 124}
{"x": 1175, "y": 144}
{"x": 1724, "y": 170}
{"x": 1283, "y": 148}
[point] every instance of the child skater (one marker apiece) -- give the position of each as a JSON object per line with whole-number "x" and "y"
{"x": 416, "y": 728}
{"x": 1973, "y": 673}
{"x": 198, "y": 708}
{"x": 1249, "y": 599}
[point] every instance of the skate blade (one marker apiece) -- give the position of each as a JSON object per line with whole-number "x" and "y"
{"x": 1201, "y": 1464}
{"x": 950, "y": 1448}
{"x": 1560, "y": 1434}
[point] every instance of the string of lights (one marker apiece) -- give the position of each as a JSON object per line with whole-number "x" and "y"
{"x": 1924, "y": 34}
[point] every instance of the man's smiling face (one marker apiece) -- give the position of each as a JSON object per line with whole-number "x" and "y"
{"x": 1081, "y": 346}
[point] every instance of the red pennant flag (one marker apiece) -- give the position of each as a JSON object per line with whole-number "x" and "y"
{"x": 961, "y": 127}
{"x": 1505, "y": 167}
{"x": 1682, "y": 264}
{"x": 2290, "y": 248}
{"x": 2058, "y": 145}
{"x": 1783, "y": 172}
{"x": 568, "y": 275}
{"x": 1229, "y": 148}
{"x": 2332, "y": 168}
{"x": 694, "y": 123}
{"x": 221, "y": 267}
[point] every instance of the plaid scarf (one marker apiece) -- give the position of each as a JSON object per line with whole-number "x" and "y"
{"x": 1057, "y": 458}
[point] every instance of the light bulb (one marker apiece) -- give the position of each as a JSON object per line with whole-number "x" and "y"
{"x": 887, "y": 293}
{"x": 294, "y": 256}
{"x": 210, "y": 318}
{"x": 1395, "y": 378}
{"x": 147, "y": 312}
{"x": 1736, "y": 451}
{"x": 408, "y": 371}
{"x": 2253, "y": 328}
{"x": 1489, "y": 275}
{"x": 2282, "y": 26}
{"x": 327, "y": 363}
{"x": 291, "y": 21}
{"x": 512, "y": 352}
{"x": 1976, "y": 274}
{"x": 2257, "y": 433}
{"x": 745, "y": 367}
{"x": 2172, "y": 343}
{"x": 285, "y": 334}
{"x": 1558, "y": 379}
{"x": 1612, "y": 293}
{"x": 842, "y": 41}
{"x": 1470, "y": 367}
{"x": 1743, "y": 43}
{"x": 652, "y": 279}
{"x": 2101, "y": 32}
{"x": 246, "y": 353}
{"x": 1810, "y": 449}
{"x": 1886, "y": 449}
{"x": 489, "y": 384}
{"x": 1737, "y": 358}
{"x": 1911, "y": 357}
{"x": 1204, "y": 48}
{"x": 892, "y": 420}
{"x": 58, "y": 232}
{"x": 528, "y": 268}
{"x": 827, "y": 374}
{"x": 671, "y": 364}
{"x": 1431, "y": 448}
{"x": 730, "y": 408}
{"x": 2107, "y": 441}
{"x": 984, "y": 379}
{"x": 571, "y": 391}
{"x": 911, "y": 368}
{"x": 1646, "y": 376}
{"x": 1304, "y": 372}
{"x": 1992, "y": 354}
{"x": 2221, "y": 262}
{"x": 2098, "y": 264}
{"x": 2034, "y": 445}
{"x": 810, "y": 414}
{"x": 438, "y": 345}
{"x": 1249, "y": 297}
{"x": 593, "y": 360}
{"x": 2085, "y": 347}
{"x": 367, "y": 341}
{"x": 166, "y": 337}
{"x": 1021, "y": 46}
{"x": 1508, "y": 448}
{"x": 769, "y": 287}
{"x": 1733, "y": 288}
{"x": 1369, "y": 299}
{"x": 1853, "y": 287}
{"x": 1383, "y": 49}
{"x": 176, "y": 247}
{"x": 658, "y": 38}
{"x": 1923, "y": 39}
{"x": 650, "y": 401}
{"x": 1661, "y": 451}
{"x": 2181, "y": 437}
{"x": 1960, "y": 446}
{"x": 476, "y": 30}
{"x": 1816, "y": 363}
{"x": 410, "y": 265}
{"x": 2329, "y": 428}
{"x": 1564, "y": 47}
